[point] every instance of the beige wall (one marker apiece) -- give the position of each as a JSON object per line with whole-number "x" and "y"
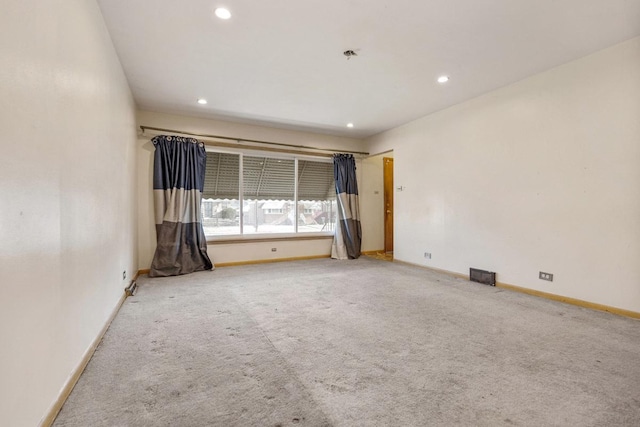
{"x": 67, "y": 200}
{"x": 542, "y": 175}
{"x": 223, "y": 253}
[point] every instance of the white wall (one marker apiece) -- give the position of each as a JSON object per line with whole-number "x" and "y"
{"x": 542, "y": 175}
{"x": 226, "y": 252}
{"x": 261, "y": 251}
{"x": 67, "y": 200}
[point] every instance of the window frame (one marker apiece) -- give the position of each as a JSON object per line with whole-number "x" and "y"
{"x": 263, "y": 237}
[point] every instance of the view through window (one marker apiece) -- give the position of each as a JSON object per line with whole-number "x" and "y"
{"x": 268, "y": 202}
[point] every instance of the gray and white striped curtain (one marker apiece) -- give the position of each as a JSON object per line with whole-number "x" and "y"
{"x": 348, "y": 236}
{"x": 178, "y": 182}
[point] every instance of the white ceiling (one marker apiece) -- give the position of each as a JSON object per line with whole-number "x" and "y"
{"x": 280, "y": 62}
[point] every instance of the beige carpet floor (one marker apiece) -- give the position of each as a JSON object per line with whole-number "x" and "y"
{"x": 355, "y": 343}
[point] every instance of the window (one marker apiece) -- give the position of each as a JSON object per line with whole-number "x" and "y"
{"x": 248, "y": 194}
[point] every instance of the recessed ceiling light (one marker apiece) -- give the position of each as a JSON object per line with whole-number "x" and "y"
{"x": 202, "y": 101}
{"x": 443, "y": 79}
{"x": 223, "y": 13}
{"x": 349, "y": 125}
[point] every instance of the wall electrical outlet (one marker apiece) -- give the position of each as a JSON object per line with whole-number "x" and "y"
{"x": 124, "y": 274}
{"x": 546, "y": 276}
{"x": 427, "y": 255}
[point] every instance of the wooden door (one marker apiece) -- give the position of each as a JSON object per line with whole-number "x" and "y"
{"x": 388, "y": 204}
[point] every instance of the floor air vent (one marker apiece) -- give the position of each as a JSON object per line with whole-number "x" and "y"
{"x": 482, "y": 276}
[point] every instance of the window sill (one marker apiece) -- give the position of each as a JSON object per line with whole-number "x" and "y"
{"x": 257, "y": 238}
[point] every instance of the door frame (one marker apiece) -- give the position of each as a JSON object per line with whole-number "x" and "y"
{"x": 387, "y": 167}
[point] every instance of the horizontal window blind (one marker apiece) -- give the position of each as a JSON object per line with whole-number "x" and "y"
{"x": 222, "y": 176}
{"x": 266, "y": 178}
{"x": 315, "y": 180}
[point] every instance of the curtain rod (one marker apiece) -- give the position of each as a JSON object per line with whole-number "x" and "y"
{"x": 331, "y": 150}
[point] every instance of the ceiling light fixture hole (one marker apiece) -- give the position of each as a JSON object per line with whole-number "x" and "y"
{"x": 349, "y": 53}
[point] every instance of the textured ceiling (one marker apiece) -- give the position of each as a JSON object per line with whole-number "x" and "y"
{"x": 280, "y": 62}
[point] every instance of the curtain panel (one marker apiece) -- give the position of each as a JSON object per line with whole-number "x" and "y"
{"x": 348, "y": 236}
{"x": 178, "y": 181}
